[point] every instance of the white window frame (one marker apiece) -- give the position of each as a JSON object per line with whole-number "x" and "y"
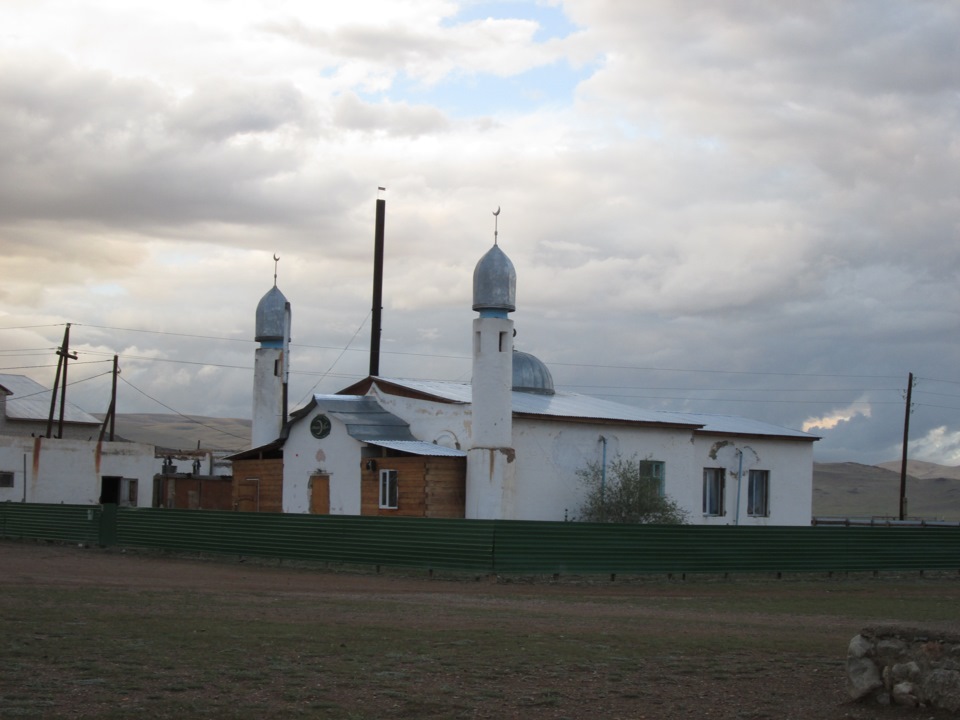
{"x": 758, "y": 493}
{"x": 714, "y": 492}
{"x": 389, "y": 490}
{"x": 656, "y": 470}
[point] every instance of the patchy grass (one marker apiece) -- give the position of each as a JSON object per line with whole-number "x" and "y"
{"x": 727, "y": 649}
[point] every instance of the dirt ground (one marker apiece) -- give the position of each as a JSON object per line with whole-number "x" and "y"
{"x": 677, "y": 634}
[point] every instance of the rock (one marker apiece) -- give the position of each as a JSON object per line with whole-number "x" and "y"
{"x": 905, "y": 693}
{"x": 863, "y": 677}
{"x": 859, "y": 647}
{"x": 941, "y": 688}
{"x": 905, "y": 671}
{"x": 891, "y": 648}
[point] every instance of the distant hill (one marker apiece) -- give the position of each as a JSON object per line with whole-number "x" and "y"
{"x": 923, "y": 470}
{"x": 855, "y": 490}
{"x": 175, "y": 432}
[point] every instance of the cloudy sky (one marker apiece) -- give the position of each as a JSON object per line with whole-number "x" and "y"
{"x": 735, "y": 207}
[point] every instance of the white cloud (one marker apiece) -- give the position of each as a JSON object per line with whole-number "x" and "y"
{"x": 732, "y": 187}
{"x": 833, "y": 418}
{"x": 939, "y": 445}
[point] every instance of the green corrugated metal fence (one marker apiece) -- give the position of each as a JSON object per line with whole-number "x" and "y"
{"x": 489, "y": 546}
{"x": 585, "y": 548}
{"x": 410, "y": 542}
{"x": 66, "y": 523}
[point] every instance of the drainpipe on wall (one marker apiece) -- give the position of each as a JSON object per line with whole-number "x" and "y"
{"x": 603, "y": 475}
{"x": 739, "y": 483}
{"x": 24, "y": 477}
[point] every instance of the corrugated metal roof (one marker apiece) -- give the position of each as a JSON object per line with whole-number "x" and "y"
{"x": 733, "y": 425}
{"x": 417, "y": 447}
{"x": 560, "y": 404}
{"x": 585, "y": 407}
{"x": 364, "y": 419}
{"x": 31, "y": 401}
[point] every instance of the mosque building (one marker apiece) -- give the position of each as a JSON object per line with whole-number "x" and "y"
{"x": 506, "y": 445}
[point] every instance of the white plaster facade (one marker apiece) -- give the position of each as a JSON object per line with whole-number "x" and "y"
{"x": 267, "y": 395}
{"x": 67, "y": 471}
{"x": 550, "y": 450}
{"x": 337, "y": 455}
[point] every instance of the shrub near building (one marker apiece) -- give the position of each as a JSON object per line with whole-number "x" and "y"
{"x": 630, "y": 491}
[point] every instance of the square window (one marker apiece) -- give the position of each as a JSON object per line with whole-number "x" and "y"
{"x": 714, "y": 484}
{"x": 6, "y": 479}
{"x": 758, "y": 493}
{"x": 388, "y": 489}
{"x": 654, "y": 471}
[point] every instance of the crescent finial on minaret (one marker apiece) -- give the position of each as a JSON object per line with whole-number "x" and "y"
{"x": 496, "y": 220}
{"x": 276, "y": 259}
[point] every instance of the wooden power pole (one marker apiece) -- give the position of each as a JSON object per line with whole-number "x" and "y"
{"x": 903, "y": 460}
{"x": 60, "y": 383}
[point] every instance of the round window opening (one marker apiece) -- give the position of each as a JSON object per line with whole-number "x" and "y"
{"x": 320, "y": 427}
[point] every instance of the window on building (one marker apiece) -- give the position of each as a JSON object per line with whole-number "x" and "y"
{"x": 388, "y": 489}
{"x": 6, "y": 479}
{"x": 128, "y": 492}
{"x": 714, "y": 483}
{"x": 758, "y": 493}
{"x": 654, "y": 472}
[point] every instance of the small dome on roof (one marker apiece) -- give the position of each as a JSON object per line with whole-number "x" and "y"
{"x": 531, "y": 375}
{"x": 271, "y": 316}
{"x": 495, "y": 282}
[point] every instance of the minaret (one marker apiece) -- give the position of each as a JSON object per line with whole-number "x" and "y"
{"x": 271, "y": 365}
{"x": 491, "y": 471}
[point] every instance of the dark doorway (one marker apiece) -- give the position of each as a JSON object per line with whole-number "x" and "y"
{"x": 110, "y": 490}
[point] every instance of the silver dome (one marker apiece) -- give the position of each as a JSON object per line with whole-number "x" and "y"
{"x": 531, "y": 375}
{"x": 495, "y": 282}
{"x": 271, "y": 316}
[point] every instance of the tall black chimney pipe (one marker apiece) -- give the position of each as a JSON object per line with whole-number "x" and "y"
{"x": 375, "y": 328}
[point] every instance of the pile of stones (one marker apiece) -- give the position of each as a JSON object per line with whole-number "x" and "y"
{"x": 905, "y": 666}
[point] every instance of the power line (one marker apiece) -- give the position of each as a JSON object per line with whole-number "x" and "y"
{"x": 69, "y": 384}
{"x": 689, "y": 389}
{"x": 170, "y": 360}
{"x": 164, "y": 332}
{"x": 342, "y": 351}
{"x": 177, "y": 412}
{"x": 33, "y": 367}
{"x": 721, "y": 372}
{"x": 31, "y": 327}
{"x": 747, "y": 400}
{"x": 359, "y": 328}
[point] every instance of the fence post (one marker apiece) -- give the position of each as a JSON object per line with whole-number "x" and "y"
{"x": 108, "y": 525}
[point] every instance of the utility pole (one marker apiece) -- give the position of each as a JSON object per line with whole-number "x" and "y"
{"x": 903, "y": 460}
{"x": 111, "y": 416}
{"x": 60, "y": 383}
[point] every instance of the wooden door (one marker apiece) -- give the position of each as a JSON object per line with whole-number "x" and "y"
{"x": 320, "y": 494}
{"x": 248, "y": 495}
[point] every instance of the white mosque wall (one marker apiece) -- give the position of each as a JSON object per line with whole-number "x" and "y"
{"x": 447, "y": 424}
{"x": 789, "y": 464}
{"x": 548, "y": 454}
{"x": 337, "y": 455}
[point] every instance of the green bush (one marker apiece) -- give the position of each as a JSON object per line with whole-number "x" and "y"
{"x": 627, "y": 493}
